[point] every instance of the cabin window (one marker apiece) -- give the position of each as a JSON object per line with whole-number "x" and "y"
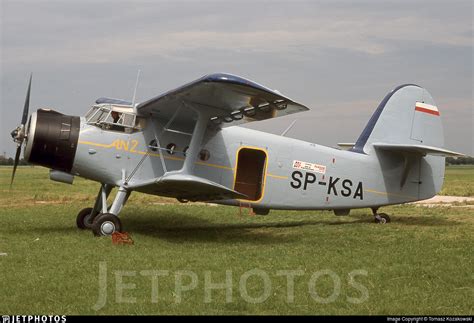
{"x": 171, "y": 148}
{"x": 204, "y": 155}
{"x": 153, "y": 145}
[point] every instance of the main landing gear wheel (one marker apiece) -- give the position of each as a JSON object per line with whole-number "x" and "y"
{"x": 105, "y": 224}
{"x": 382, "y": 218}
{"x": 85, "y": 218}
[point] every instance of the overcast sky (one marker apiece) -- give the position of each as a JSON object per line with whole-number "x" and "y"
{"x": 339, "y": 58}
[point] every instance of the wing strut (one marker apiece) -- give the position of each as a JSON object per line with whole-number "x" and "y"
{"x": 183, "y": 183}
{"x": 194, "y": 146}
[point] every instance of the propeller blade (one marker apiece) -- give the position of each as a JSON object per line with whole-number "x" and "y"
{"x": 27, "y": 103}
{"x": 18, "y": 133}
{"x": 17, "y": 159}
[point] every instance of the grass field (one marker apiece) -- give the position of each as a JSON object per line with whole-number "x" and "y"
{"x": 459, "y": 180}
{"x": 421, "y": 263}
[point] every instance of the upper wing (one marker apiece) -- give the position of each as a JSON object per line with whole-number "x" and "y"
{"x": 225, "y": 98}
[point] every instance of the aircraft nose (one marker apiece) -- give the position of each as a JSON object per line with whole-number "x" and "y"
{"x": 52, "y": 139}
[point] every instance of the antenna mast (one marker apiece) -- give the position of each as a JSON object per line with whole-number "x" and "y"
{"x": 135, "y": 90}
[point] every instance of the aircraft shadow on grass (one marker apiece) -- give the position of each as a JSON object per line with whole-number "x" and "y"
{"x": 180, "y": 227}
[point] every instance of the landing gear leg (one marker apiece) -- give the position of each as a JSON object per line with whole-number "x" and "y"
{"x": 381, "y": 218}
{"x": 86, "y": 216}
{"x": 107, "y": 222}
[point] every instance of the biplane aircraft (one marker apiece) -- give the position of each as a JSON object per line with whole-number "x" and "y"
{"x": 187, "y": 144}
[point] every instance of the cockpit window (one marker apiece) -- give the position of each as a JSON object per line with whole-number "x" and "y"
{"x": 90, "y": 113}
{"x": 128, "y": 119}
{"x": 99, "y": 115}
{"x": 113, "y": 118}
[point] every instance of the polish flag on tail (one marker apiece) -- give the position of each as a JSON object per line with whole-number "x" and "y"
{"x": 426, "y": 108}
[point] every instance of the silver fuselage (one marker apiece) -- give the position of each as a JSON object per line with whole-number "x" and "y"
{"x": 347, "y": 179}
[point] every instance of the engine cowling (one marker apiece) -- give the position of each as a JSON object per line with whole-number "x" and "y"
{"x": 51, "y": 139}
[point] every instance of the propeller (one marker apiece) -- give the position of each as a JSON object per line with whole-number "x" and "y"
{"x": 19, "y": 134}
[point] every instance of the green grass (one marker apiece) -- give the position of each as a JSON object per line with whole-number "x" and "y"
{"x": 421, "y": 263}
{"x": 32, "y": 186}
{"x": 459, "y": 181}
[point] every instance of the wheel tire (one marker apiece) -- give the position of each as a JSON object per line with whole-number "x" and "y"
{"x": 385, "y": 218}
{"x": 105, "y": 224}
{"x": 84, "y": 218}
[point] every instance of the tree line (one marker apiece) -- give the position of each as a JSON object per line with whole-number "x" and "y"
{"x": 460, "y": 160}
{"x": 9, "y": 161}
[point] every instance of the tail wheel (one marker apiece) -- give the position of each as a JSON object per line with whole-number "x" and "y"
{"x": 105, "y": 224}
{"x": 382, "y": 218}
{"x": 85, "y": 218}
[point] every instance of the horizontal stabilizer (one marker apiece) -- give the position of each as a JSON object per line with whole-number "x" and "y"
{"x": 345, "y": 145}
{"x": 420, "y": 149}
{"x": 189, "y": 187}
